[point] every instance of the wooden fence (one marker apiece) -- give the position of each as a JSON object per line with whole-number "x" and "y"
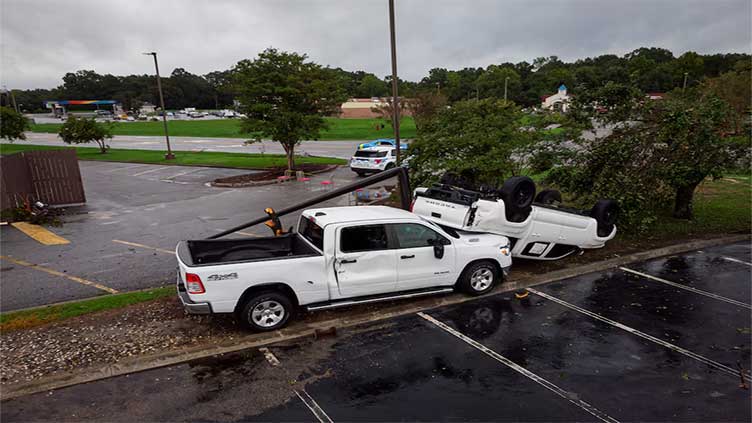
{"x": 52, "y": 177}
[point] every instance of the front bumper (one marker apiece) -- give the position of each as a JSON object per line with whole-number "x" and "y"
{"x": 505, "y": 271}
{"x": 189, "y": 305}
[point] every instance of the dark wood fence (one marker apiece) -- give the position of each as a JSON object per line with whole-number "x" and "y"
{"x": 52, "y": 177}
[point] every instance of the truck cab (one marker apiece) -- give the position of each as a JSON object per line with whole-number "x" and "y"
{"x": 339, "y": 256}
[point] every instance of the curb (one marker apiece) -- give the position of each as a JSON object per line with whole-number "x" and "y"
{"x": 170, "y": 358}
{"x": 328, "y": 168}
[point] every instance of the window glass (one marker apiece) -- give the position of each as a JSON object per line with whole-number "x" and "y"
{"x": 363, "y": 238}
{"x": 413, "y": 235}
{"x": 312, "y": 232}
{"x": 370, "y": 153}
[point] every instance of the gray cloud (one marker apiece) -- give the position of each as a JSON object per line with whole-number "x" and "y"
{"x": 42, "y": 40}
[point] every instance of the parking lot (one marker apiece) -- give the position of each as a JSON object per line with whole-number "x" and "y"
{"x": 124, "y": 237}
{"x": 662, "y": 340}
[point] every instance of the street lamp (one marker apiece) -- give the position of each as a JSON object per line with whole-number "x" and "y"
{"x": 395, "y": 98}
{"x": 506, "y": 80}
{"x": 684, "y": 87}
{"x": 169, "y": 155}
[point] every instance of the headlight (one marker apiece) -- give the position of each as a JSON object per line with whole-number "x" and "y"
{"x": 505, "y": 249}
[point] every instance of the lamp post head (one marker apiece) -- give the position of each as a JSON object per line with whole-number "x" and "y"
{"x": 150, "y": 53}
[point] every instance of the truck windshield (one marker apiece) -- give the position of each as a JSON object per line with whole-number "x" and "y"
{"x": 312, "y": 232}
{"x": 370, "y": 153}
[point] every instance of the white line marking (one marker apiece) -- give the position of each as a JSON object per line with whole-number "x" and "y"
{"x": 133, "y": 244}
{"x": 634, "y": 331}
{"x": 689, "y": 288}
{"x": 182, "y": 173}
{"x": 569, "y": 396}
{"x": 270, "y": 357}
{"x": 126, "y": 168}
{"x": 312, "y": 405}
{"x": 149, "y": 171}
{"x": 737, "y": 261}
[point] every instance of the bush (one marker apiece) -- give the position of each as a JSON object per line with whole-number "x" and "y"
{"x": 77, "y": 130}
{"x": 12, "y": 124}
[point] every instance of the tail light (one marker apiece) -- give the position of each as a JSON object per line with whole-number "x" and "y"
{"x": 412, "y": 205}
{"x": 193, "y": 284}
{"x": 377, "y": 161}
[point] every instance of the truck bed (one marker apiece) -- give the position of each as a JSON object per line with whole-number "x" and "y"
{"x": 214, "y": 251}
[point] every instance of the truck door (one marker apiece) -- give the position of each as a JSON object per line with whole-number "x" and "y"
{"x": 417, "y": 265}
{"x": 364, "y": 262}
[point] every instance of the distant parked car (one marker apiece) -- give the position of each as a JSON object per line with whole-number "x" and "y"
{"x": 383, "y": 142}
{"x": 103, "y": 113}
{"x": 373, "y": 160}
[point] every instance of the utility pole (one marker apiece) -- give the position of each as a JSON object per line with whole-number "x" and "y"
{"x": 438, "y": 88}
{"x": 684, "y": 87}
{"x": 506, "y": 80}
{"x": 169, "y": 155}
{"x": 395, "y": 98}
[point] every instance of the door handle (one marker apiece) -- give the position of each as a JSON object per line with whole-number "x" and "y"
{"x": 408, "y": 257}
{"x": 347, "y": 261}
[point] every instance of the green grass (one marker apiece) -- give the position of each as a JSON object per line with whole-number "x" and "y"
{"x": 339, "y": 129}
{"x": 186, "y": 158}
{"x": 34, "y": 317}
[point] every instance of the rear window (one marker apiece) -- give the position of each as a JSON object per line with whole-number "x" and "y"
{"x": 370, "y": 153}
{"x": 312, "y": 232}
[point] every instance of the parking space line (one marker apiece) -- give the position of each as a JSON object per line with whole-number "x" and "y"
{"x": 56, "y": 273}
{"x": 689, "y": 288}
{"x": 133, "y": 244}
{"x": 688, "y": 353}
{"x": 312, "y": 405}
{"x": 736, "y": 260}
{"x": 569, "y": 396}
{"x": 180, "y": 174}
{"x": 127, "y": 167}
{"x": 40, "y": 233}
{"x": 149, "y": 171}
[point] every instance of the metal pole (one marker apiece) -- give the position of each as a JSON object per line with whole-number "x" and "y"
{"x": 13, "y": 99}
{"x": 505, "y": 88}
{"x": 399, "y": 171}
{"x": 395, "y": 98}
{"x": 684, "y": 87}
{"x": 169, "y": 155}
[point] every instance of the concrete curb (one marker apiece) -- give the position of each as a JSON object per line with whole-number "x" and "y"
{"x": 170, "y": 358}
{"x": 329, "y": 168}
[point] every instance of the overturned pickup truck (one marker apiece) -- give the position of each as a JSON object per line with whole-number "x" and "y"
{"x": 537, "y": 227}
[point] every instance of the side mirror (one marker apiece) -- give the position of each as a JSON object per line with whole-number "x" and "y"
{"x": 438, "y": 250}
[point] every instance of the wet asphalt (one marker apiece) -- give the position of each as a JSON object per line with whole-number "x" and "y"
{"x": 492, "y": 359}
{"x": 149, "y": 205}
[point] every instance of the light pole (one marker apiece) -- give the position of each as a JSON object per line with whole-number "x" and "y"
{"x": 506, "y": 80}
{"x": 684, "y": 87}
{"x": 169, "y": 155}
{"x": 438, "y": 88}
{"x": 395, "y": 98}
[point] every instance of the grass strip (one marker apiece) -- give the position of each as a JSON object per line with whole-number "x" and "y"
{"x": 185, "y": 158}
{"x": 24, "y": 319}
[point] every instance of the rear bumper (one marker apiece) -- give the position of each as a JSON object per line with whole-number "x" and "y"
{"x": 190, "y": 306}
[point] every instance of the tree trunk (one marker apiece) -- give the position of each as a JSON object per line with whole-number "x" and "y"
{"x": 290, "y": 152}
{"x": 683, "y": 202}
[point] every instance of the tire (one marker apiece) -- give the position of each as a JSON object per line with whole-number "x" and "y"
{"x": 266, "y": 311}
{"x": 361, "y": 174}
{"x": 390, "y": 166}
{"x": 478, "y": 278}
{"x": 518, "y": 193}
{"x": 548, "y": 196}
{"x": 605, "y": 213}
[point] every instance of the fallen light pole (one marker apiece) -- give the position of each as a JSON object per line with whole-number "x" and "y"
{"x": 404, "y": 188}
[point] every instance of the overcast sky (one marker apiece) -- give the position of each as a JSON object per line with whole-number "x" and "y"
{"x": 44, "y": 39}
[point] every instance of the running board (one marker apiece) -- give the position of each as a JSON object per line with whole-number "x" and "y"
{"x": 345, "y": 303}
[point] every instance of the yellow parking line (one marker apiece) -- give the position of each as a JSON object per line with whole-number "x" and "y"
{"x": 133, "y": 244}
{"x": 56, "y": 273}
{"x": 39, "y": 233}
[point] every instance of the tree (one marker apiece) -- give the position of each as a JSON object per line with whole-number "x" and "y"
{"x": 425, "y": 106}
{"x": 12, "y": 124}
{"x": 285, "y": 98}
{"x": 476, "y": 139}
{"x": 77, "y": 130}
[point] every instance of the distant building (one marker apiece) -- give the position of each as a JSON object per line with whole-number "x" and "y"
{"x": 656, "y": 96}
{"x": 558, "y": 101}
{"x": 147, "y": 108}
{"x": 363, "y": 107}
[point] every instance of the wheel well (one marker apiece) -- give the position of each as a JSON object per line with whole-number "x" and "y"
{"x": 279, "y": 287}
{"x": 492, "y": 261}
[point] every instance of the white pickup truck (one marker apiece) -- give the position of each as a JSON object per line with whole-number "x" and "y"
{"x": 338, "y": 256}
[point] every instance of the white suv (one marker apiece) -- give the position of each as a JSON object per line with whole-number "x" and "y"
{"x": 373, "y": 159}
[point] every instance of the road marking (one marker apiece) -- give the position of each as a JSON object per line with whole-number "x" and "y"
{"x": 133, "y": 244}
{"x": 698, "y": 357}
{"x": 40, "y": 234}
{"x": 689, "y": 288}
{"x": 181, "y": 174}
{"x": 270, "y": 357}
{"x": 56, "y": 273}
{"x": 127, "y": 167}
{"x": 569, "y": 396}
{"x": 736, "y": 260}
{"x": 312, "y": 405}
{"x": 149, "y": 171}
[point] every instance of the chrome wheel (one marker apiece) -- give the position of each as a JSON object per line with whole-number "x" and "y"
{"x": 481, "y": 279}
{"x": 268, "y": 313}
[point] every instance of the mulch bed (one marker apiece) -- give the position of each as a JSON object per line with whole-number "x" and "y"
{"x": 271, "y": 174}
